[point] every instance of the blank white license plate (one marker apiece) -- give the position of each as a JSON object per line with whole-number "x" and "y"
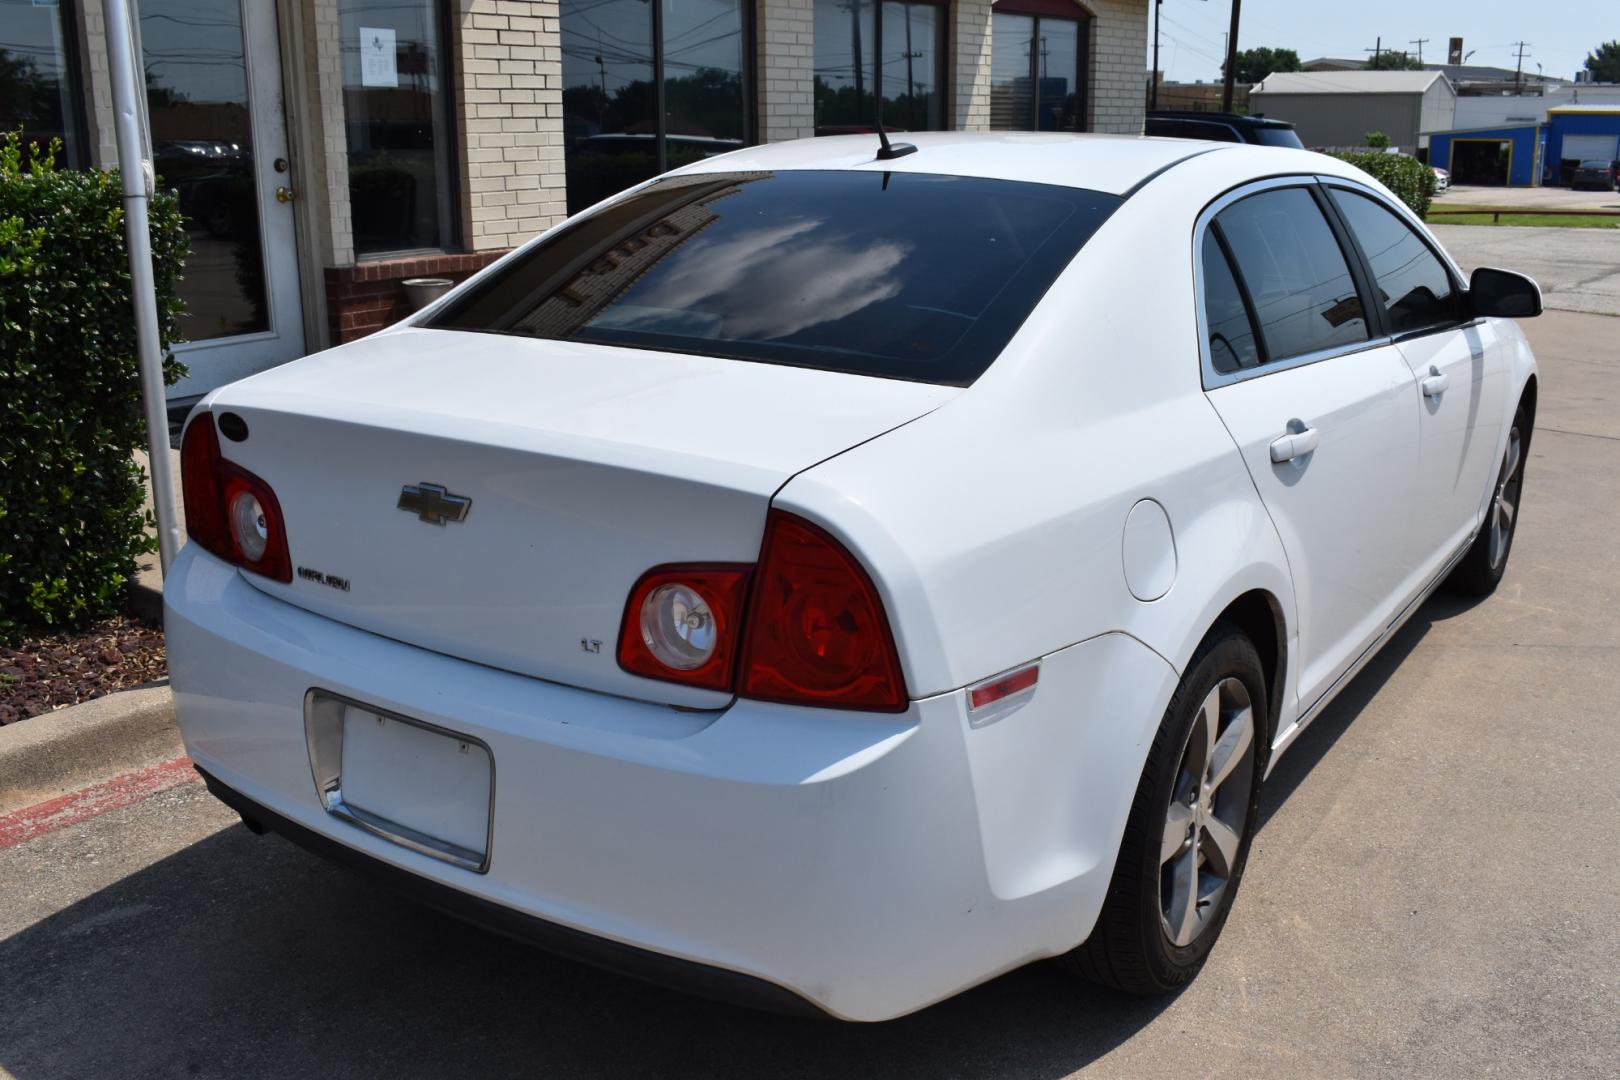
{"x": 434, "y": 784}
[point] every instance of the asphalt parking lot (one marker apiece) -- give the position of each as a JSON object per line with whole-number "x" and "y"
{"x": 1434, "y": 891}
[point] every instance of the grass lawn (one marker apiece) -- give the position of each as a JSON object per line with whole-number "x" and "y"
{"x": 1567, "y": 221}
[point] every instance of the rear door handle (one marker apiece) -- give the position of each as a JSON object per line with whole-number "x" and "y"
{"x": 1299, "y": 441}
{"x": 1435, "y": 383}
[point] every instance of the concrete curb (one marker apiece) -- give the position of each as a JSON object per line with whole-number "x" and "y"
{"x": 51, "y": 755}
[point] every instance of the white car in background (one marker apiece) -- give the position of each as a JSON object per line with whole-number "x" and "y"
{"x": 830, "y": 581}
{"x": 1442, "y": 180}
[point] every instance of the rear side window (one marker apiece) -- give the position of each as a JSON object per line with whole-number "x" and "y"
{"x": 1295, "y": 273}
{"x": 1232, "y": 344}
{"x": 1277, "y": 136}
{"x": 1413, "y": 284}
{"x": 898, "y": 275}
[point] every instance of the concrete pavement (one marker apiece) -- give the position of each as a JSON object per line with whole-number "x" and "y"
{"x": 1577, "y": 269}
{"x": 1536, "y": 198}
{"x": 1432, "y": 892}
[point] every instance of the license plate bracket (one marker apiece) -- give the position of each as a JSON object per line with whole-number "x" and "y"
{"x": 416, "y": 784}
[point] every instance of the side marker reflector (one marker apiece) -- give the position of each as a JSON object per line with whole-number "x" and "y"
{"x": 1003, "y": 686}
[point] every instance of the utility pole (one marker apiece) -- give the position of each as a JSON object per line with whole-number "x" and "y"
{"x": 1231, "y": 59}
{"x": 1377, "y": 50}
{"x": 1518, "y": 72}
{"x": 1419, "y": 42}
{"x": 1153, "y": 91}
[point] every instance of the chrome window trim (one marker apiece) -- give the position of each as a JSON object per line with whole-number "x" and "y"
{"x": 1213, "y": 379}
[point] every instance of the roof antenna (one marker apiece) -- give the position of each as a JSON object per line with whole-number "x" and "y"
{"x": 889, "y": 151}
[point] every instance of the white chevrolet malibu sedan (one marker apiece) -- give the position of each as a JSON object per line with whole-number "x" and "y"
{"x": 830, "y": 580}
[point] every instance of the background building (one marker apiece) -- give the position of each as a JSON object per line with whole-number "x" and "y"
{"x": 324, "y": 150}
{"x": 1338, "y": 108}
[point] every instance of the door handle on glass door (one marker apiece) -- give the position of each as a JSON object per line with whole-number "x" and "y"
{"x": 1299, "y": 441}
{"x": 1436, "y": 382}
{"x": 285, "y": 194}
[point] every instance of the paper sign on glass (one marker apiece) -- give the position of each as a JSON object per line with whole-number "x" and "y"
{"x": 379, "y": 66}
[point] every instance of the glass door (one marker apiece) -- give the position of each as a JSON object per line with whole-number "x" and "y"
{"x": 219, "y": 140}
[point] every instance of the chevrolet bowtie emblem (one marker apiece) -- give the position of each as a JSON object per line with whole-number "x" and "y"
{"x": 433, "y": 504}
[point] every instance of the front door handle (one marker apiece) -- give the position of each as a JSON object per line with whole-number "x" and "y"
{"x": 1299, "y": 441}
{"x": 285, "y": 194}
{"x": 1435, "y": 383}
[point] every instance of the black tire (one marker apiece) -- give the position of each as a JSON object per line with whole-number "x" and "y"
{"x": 1131, "y": 947}
{"x": 1481, "y": 569}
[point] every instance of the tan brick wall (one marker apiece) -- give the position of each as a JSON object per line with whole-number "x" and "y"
{"x": 511, "y": 119}
{"x": 785, "y": 54}
{"x": 330, "y": 169}
{"x": 970, "y": 72}
{"x": 103, "y": 138}
{"x": 1117, "y": 101}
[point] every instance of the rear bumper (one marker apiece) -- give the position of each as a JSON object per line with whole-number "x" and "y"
{"x": 864, "y": 865}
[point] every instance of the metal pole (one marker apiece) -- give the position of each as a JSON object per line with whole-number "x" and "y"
{"x": 1153, "y": 92}
{"x": 136, "y": 174}
{"x": 1231, "y": 59}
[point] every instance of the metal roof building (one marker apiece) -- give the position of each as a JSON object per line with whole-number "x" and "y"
{"x": 1338, "y": 108}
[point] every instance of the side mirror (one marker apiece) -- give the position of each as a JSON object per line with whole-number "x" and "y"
{"x": 1503, "y": 294}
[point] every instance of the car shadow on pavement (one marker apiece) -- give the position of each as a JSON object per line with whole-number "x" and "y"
{"x": 244, "y": 956}
{"x": 1315, "y": 741}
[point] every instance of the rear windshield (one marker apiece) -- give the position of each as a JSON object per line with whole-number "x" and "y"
{"x": 898, "y": 275}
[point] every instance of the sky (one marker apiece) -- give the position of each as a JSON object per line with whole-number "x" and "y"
{"x": 1560, "y": 32}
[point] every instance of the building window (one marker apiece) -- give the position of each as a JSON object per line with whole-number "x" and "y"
{"x": 909, "y": 41}
{"x": 1038, "y": 66}
{"x": 397, "y": 123}
{"x": 39, "y": 77}
{"x": 649, "y": 85}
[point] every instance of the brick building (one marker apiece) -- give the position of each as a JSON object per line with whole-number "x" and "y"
{"x": 324, "y": 150}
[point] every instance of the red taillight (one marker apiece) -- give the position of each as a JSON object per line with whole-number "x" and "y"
{"x": 229, "y": 511}
{"x": 817, "y": 633}
{"x": 683, "y": 624}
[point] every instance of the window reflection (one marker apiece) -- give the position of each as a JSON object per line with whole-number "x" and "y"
{"x": 394, "y": 112}
{"x": 38, "y": 81}
{"x": 842, "y": 271}
{"x": 911, "y": 41}
{"x": 202, "y": 147}
{"x": 610, "y": 110}
{"x": 1037, "y": 78}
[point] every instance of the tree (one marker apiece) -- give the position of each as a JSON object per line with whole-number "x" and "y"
{"x": 1603, "y": 64}
{"x": 1255, "y": 64}
{"x": 1394, "y": 60}
{"x": 1375, "y": 139}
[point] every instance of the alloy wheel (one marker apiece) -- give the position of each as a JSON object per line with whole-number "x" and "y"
{"x": 1505, "y": 503}
{"x": 1208, "y": 813}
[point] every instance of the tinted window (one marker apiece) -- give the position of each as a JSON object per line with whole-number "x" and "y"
{"x": 898, "y": 275}
{"x": 1304, "y": 297}
{"x": 1232, "y": 346}
{"x": 1413, "y": 285}
{"x": 1277, "y": 136}
{"x": 1193, "y": 129}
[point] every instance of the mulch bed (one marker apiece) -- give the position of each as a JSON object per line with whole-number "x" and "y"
{"x": 44, "y": 673}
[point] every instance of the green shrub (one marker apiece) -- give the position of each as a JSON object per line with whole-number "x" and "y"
{"x": 1410, "y": 179}
{"x": 1375, "y": 139}
{"x": 71, "y": 522}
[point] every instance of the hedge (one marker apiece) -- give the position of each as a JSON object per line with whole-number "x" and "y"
{"x": 1410, "y": 179}
{"x": 71, "y": 517}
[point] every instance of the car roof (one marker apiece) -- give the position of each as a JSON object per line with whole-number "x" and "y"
{"x": 1114, "y": 164}
{"x": 1218, "y": 117}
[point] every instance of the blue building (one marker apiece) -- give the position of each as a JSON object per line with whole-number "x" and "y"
{"x": 1498, "y": 156}
{"x": 1577, "y": 133}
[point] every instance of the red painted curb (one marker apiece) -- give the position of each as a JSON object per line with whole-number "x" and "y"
{"x": 31, "y": 821}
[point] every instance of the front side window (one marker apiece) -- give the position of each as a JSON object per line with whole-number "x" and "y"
{"x": 1413, "y": 284}
{"x": 396, "y": 114}
{"x": 39, "y": 80}
{"x": 897, "y": 275}
{"x": 1037, "y": 69}
{"x": 1294, "y": 272}
{"x": 908, "y": 40}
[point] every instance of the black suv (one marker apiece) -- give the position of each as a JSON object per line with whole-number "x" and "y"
{"x": 1222, "y": 127}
